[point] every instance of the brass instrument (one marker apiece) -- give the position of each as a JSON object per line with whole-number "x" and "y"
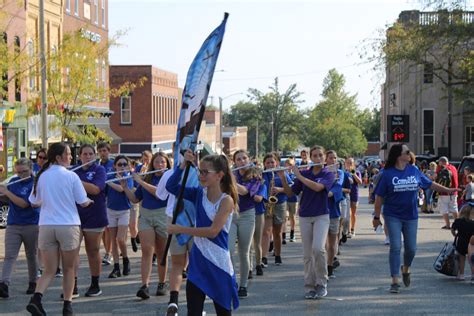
{"x": 272, "y": 199}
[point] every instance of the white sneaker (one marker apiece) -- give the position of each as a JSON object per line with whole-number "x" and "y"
{"x": 387, "y": 241}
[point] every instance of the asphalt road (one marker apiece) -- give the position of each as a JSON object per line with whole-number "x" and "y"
{"x": 360, "y": 287}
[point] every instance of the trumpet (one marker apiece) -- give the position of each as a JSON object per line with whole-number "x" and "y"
{"x": 272, "y": 199}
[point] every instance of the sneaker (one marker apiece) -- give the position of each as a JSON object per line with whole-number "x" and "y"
{"x": 331, "y": 272}
{"x": 270, "y": 248}
{"x": 335, "y": 263}
{"x": 278, "y": 261}
{"x": 445, "y": 227}
{"x": 35, "y": 308}
{"x": 93, "y": 291}
{"x": 126, "y": 266}
{"x": 67, "y": 310}
{"x": 107, "y": 260}
{"x": 31, "y": 288}
{"x": 292, "y": 239}
{"x": 4, "y": 290}
{"x": 39, "y": 273}
{"x": 344, "y": 238}
{"x": 137, "y": 239}
{"x": 161, "y": 290}
{"x": 353, "y": 234}
{"x": 75, "y": 293}
{"x": 460, "y": 277}
{"x": 134, "y": 244}
{"x": 349, "y": 236}
{"x": 405, "y": 277}
{"x": 259, "y": 270}
{"x": 250, "y": 275}
{"x": 59, "y": 273}
{"x": 242, "y": 292}
{"x": 386, "y": 241}
{"x": 321, "y": 291}
{"x": 172, "y": 309}
{"x": 264, "y": 262}
{"x": 154, "y": 262}
{"x": 143, "y": 292}
{"x": 395, "y": 288}
{"x": 115, "y": 273}
{"x": 283, "y": 242}
{"x": 311, "y": 295}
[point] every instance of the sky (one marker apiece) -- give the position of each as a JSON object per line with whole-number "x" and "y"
{"x": 297, "y": 41}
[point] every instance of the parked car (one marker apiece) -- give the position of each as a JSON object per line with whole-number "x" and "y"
{"x": 467, "y": 161}
{"x": 4, "y": 208}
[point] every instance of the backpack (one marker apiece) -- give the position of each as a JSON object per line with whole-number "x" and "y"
{"x": 444, "y": 177}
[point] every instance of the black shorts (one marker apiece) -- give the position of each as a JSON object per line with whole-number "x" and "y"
{"x": 461, "y": 246}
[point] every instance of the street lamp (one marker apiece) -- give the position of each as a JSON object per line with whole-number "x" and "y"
{"x": 221, "y": 126}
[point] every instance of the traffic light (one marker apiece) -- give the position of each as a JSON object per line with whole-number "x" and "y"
{"x": 398, "y": 128}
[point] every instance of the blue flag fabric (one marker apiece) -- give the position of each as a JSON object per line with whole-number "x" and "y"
{"x": 195, "y": 93}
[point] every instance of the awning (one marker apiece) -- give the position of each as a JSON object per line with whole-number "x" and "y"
{"x": 115, "y": 138}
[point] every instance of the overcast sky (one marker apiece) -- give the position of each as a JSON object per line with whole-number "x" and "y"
{"x": 297, "y": 41}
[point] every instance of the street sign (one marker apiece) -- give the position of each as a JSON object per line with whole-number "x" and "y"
{"x": 398, "y": 128}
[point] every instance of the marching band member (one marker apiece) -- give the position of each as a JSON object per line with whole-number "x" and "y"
{"x": 210, "y": 267}
{"x": 94, "y": 217}
{"x": 22, "y": 226}
{"x": 315, "y": 184}
{"x": 118, "y": 213}
{"x": 57, "y": 190}
{"x": 152, "y": 221}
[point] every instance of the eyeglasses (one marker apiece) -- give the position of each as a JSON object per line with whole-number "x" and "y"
{"x": 122, "y": 164}
{"x": 41, "y": 157}
{"x": 204, "y": 172}
{"x": 407, "y": 152}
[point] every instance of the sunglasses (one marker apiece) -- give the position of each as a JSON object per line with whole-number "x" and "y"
{"x": 204, "y": 172}
{"x": 407, "y": 152}
{"x": 41, "y": 157}
{"x": 124, "y": 164}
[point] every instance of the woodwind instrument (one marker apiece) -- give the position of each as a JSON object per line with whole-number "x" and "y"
{"x": 272, "y": 199}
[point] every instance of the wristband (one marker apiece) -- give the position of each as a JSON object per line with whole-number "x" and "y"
{"x": 376, "y": 217}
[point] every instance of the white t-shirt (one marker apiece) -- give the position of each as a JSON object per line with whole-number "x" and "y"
{"x": 57, "y": 192}
{"x": 163, "y": 194}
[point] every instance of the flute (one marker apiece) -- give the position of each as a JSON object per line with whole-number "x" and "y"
{"x": 243, "y": 167}
{"x": 300, "y": 167}
{"x": 16, "y": 181}
{"x": 131, "y": 176}
{"x": 114, "y": 172}
{"x": 84, "y": 164}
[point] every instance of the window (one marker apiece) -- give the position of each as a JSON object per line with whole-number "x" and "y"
{"x": 17, "y": 81}
{"x": 104, "y": 79}
{"x": 469, "y": 137}
{"x": 428, "y": 131}
{"x": 68, "y": 6}
{"x": 76, "y": 7}
{"x": 428, "y": 73}
{"x": 126, "y": 110}
{"x": 4, "y": 91}
{"x": 103, "y": 14}
{"x": 31, "y": 55}
{"x": 96, "y": 5}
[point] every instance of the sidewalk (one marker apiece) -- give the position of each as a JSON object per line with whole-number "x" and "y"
{"x": 360, "y": 287}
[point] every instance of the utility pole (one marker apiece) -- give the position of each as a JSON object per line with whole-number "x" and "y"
{"x": 221, "y": 127}
{"x": 44, "y": 105}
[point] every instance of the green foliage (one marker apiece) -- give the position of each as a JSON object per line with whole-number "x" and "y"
{"x": 333, "y": 122}
{"x": 368, "y": 121}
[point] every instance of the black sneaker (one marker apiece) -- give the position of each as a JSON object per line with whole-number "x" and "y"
{"x": 278, "y": 261}
{"x": 344, "y": 238}
{"x": 405, "y": 277}
{"x": 172, "y": 309}
{"x": 270, "y": 248}
{"x": 75, "y": 293}
{"x": 283, "y": 242}
{"x": 242, "y": 292}
{"x": 250, "y": 275}
{"x": 161, "y": 289}
{"x": 67, "y": 310}
{"x": 264, "y": 262}
{"x": 394, "y": 288}
{"x": 134, "y": 244}
{"x": 31, "y": 288}
{"x": 259, "y": 270}
{"x": 93, "y": 291}
{"x": 126, "y": 266}
{"x": 335, "y": 263}
{"x": 4, "y": 290}
{"x": 59, "y": 273}
{"x": 143, "y": 292}
{"x": 331, "y": 272}
{"x": 35, "y": 308}
{"x": 115, "y": 273}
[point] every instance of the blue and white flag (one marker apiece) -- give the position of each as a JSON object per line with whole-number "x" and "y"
{"x": 196, "y": 91}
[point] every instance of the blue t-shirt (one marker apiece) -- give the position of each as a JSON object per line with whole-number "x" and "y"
{"x": 293, "y": 198}
{"x": 150, "y": 201}
{"x": 109, "y": 167}
{"x": 336, "y": 189}
{"x": 399, "y": 189}
{"x": 260, "y": 207}
{"x": 95, "y": 215}
{"x": 118, "y": 201}
{"x": 16, "y": 214}
{"x": 36, "y": 169}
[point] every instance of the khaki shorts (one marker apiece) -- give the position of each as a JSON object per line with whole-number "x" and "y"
{"x": 153, "y": 219}
{"x": 291, "y": 208}
{"x": 63, "y": 237}
{"x": 279, "y": 212}
{"x": 94, "y": 230}
{"x": 175, "y": 247}
{"x": 118, "y": 218}
{"x": 447, "y": 204}
{"x": 334, "y": 225}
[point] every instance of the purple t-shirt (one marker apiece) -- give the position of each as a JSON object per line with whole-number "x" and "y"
{"x": 314, "y": 203}
{"x": 246, "y": 201}
{"x": 95, "y": 215}
{"x": 355, "y": 188}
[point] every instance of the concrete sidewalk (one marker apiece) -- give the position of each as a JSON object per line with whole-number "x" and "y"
{"x": 360, "y": 287}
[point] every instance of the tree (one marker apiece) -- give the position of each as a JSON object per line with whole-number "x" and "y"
{"x": 277, "y": 111}
{"x": 245, "y": 114}
{"x": 332, "y": 123}
{"x": 368, "y": 121}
